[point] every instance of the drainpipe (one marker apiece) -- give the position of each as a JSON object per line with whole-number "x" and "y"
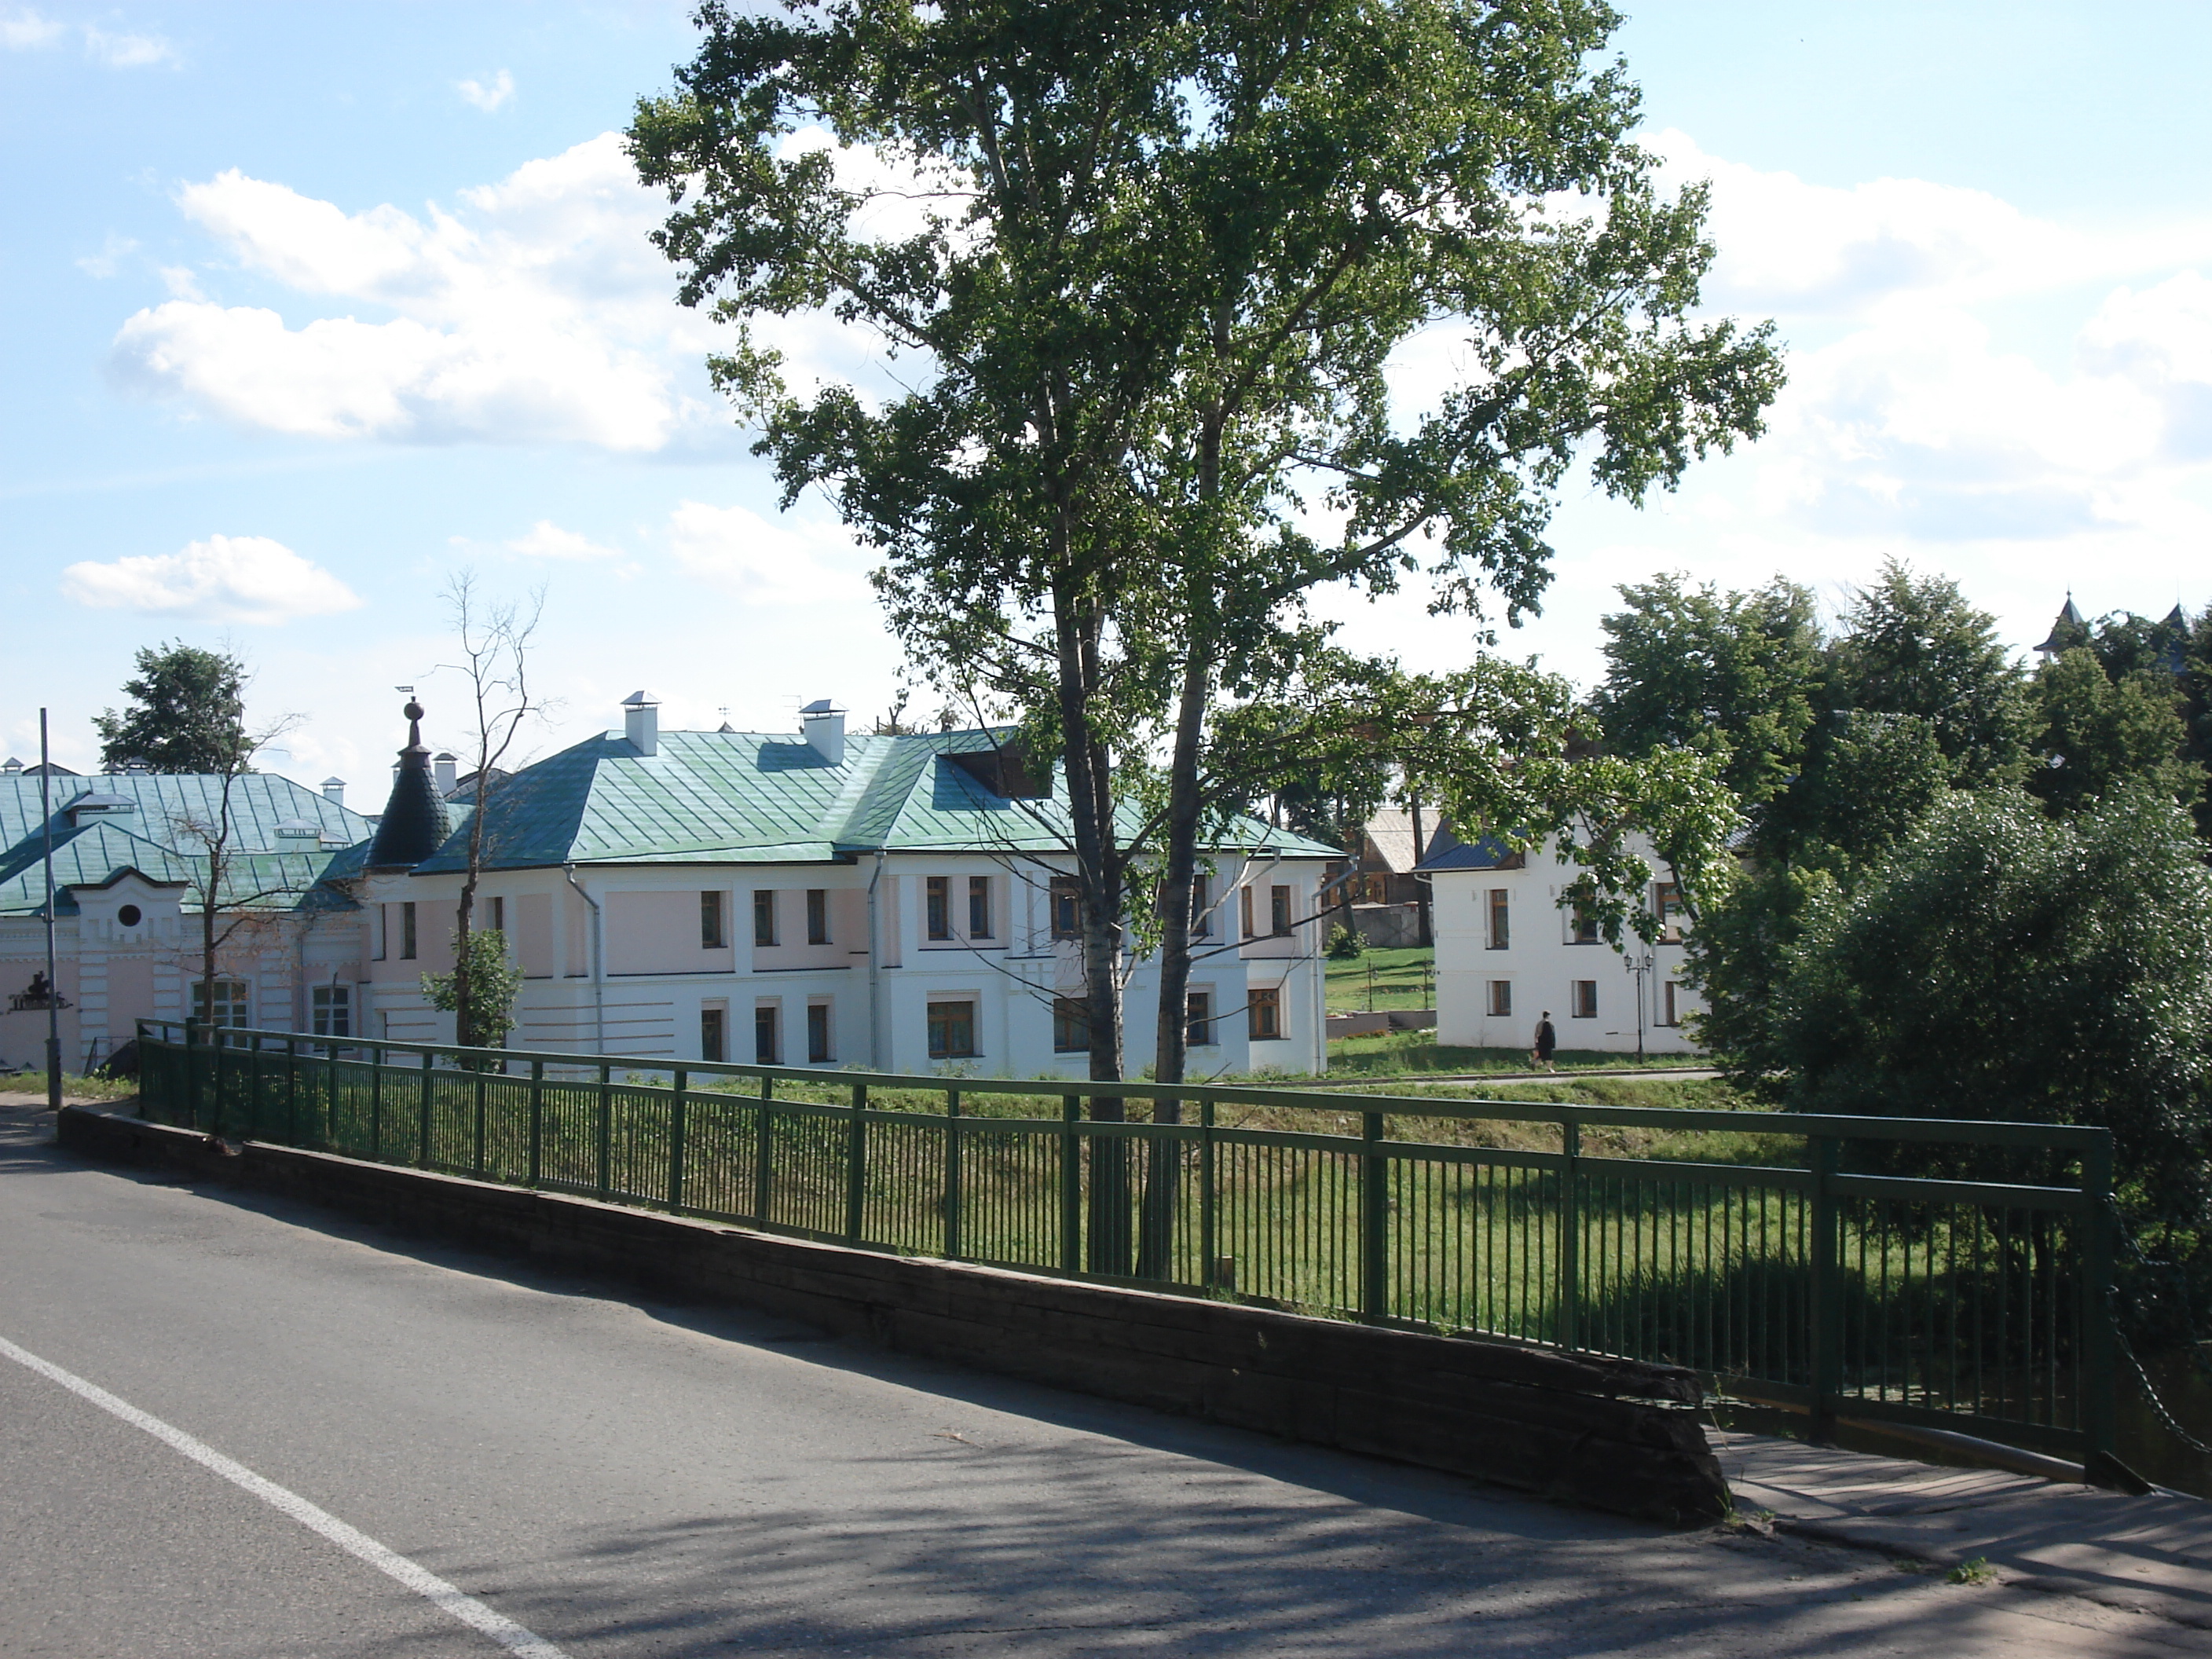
{"x": 598, "y": 962}
{"x": 875, "y": 969}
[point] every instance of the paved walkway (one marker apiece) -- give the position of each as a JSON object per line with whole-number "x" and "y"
{"x": 2150, "y": 1555}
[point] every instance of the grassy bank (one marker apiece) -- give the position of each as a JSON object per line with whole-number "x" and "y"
{"x": 1408, "y": 1054}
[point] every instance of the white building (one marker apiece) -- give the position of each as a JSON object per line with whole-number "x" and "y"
{"x": 896, "y": 903}
{"x": 130, "y": 855}
{"x": 1508, "y": 951}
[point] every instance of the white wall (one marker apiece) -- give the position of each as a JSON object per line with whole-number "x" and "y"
{"x": 1541, "y": 964}
{"x": 1011, "y": 977}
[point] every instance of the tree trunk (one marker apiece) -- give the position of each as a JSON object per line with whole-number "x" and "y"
{"x": 1098, "y": 879}
{"x": 1178, "y": 881}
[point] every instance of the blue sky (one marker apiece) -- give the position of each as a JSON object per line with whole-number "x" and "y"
{"x": 303, "y": 307}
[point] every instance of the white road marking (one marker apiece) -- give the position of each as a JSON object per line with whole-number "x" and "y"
{"x": 458, "y": 1603}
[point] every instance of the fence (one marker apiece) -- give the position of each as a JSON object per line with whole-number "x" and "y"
{"x": 1969, "y": 1304}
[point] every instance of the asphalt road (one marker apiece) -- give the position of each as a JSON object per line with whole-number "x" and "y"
{"x": 623, "y": 1477}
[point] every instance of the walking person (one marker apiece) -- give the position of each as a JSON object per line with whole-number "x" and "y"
{"x": 1548, "y": 1041}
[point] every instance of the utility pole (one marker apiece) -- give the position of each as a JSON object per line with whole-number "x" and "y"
{"x": 53, "y": 985}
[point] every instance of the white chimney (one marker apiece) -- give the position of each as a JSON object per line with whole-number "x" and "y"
{"x": 642, "y": 722}
{"x": 445, "y": 768}
{"x": 822, "y": 729}
{"x": 334, "y": 790}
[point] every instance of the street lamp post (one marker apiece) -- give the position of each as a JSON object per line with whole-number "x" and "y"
{"x": 1640, "y": 964}
{"x": 53, "y": 985}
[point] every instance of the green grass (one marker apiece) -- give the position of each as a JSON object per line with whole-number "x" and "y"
{"x": 74, "y": 1086}
{"x": 1407, "y": 1053}
{"x": 1400, "y": 978}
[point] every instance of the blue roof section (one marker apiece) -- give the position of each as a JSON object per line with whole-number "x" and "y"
{"x": 754, "y": 798}
{"x": 1487, "y": 854}
{"x": 154, "y": 828}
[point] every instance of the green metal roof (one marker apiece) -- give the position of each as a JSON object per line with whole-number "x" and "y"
{"x": 750, "y": 798}
{"x": 152, "y": 832}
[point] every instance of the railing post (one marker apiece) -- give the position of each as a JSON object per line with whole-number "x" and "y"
{"x": 215, "y": 1078}
{"x": 1209, "y": 1209}
{"x": 675, "y": 1104}
{"x": 423, "y": 1130}
{"x": 1823, "y": 1153}
{"x": 1374, "y": 1220}
{"x": 856, "y": 1165}
{"x": 375, "y": 1104}
{"x": 952, "y": 1240}
{"x": 477, "y": 1128}
{"x": 764, "y": 1153}
{"x": 2099, "y": 1368}
{"x": 291, "y": 1091}
{"x": 191, "y": 1078}
{"x": 1570, "y": 1234}
{"x": 330, "y": 1094}
{"x": 537, "y": 1166}
{"x": 1071, "y": 1184}
{"x": 603, "y": 1138}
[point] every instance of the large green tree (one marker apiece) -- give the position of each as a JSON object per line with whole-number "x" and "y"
{"x": 2098, "y": 731}
{"x": 186, "y": 713}
{"x": 1144, "y": 269}
{"x": 1730, "y": 674}
{"x": 1999, "y": 962}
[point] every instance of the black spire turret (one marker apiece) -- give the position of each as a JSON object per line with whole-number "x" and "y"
{"x": 415, "y": 824}
{"x": 2069, "y": 631}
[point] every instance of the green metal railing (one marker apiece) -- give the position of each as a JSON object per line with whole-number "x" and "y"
{"x": 1968, "y": 1305}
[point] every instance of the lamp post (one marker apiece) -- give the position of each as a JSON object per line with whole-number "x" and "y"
{"x": 53, "y": 985}
{"x": 1639, "y": 963}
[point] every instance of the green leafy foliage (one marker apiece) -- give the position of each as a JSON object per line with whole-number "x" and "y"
{"x": 480, "y": 991}
{"x": 1731, "y": 675}
{"x": 2099, "y": 732}
{"x": 1344, "y": 943}
{"x": 2002, "y": 964}
{"x": 186, "y": 713}
{"x": 1144, "y": 270}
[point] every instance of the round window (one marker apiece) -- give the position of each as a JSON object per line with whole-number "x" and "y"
{"x": 128, "y": 915}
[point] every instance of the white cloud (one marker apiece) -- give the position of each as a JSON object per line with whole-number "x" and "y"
{"x": 113, "y": 252}
{"x": 771, "y": 562}
{"x": 127, "y": 51}
{"x": 245, "y": 579}
{"x": 536, "y": 311}
{"x": 25, "y": 30}
{"x": 547, "y": 540}
{"x": 487, "y": 94}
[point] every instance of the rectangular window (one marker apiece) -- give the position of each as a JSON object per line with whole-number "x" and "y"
{"x": 1501, "y": 920}
{"x": 1266, "y": 1014}
{"x": 1667, "y": 909}
{"x": 1198, "y": 1020}
{"x": 407, "y": 932}
{"x": 1244, "y": 913}
{"x": 940, "y": 907}
{"x": 766, "y": 1037}
{"x": 817, "y": 915}
{"x": 714, "y": 1039}
{"x": 763, "y": 916}
{"x": 383, "y": 931}
{"x": 1501, "y": 999}
{"x": 951, "y": 1031}
{"x": 711, "y": 935}
{"x": 1585, "y": 999}
{"x": 1278, "y": 910}
{"x": 1202, "y": 907}
{"x": 1582, "y": 924}
{"x": 495, "y": 915}
{"x": 1067, "y": 908}
{"x": 229, "y": 1008}
{"x": 818, "y": 1034}
{"x": 1071, "y": 1026}
{"x": 1668, "y": 1013}
{"x": 330, "y": 1011}
{"x": 979, "y": 907}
